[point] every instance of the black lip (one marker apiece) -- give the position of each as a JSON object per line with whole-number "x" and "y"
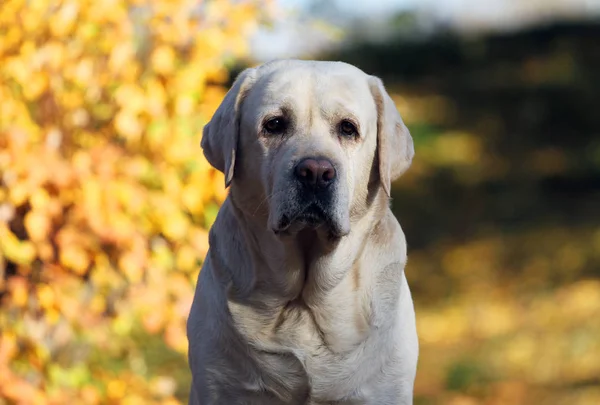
{"x": 312, "y": 215}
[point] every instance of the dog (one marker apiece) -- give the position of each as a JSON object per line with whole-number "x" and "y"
{"x": 302, "y": 298}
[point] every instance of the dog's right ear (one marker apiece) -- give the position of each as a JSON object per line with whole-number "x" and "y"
{"x": 220, "y": 136}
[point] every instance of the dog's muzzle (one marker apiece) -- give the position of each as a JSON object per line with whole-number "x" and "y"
{"x": 314, "y": 203}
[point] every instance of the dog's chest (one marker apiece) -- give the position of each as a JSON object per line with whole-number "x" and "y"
{"x": 334, "y": 348}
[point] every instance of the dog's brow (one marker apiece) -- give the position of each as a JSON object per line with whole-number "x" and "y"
{"x": 339, "y": 112}
{"x": 275, "y": 109}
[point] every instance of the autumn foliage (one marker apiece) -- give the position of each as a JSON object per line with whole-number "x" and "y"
{"x": 105, "y": 197}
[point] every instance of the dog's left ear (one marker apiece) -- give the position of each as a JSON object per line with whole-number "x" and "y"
{"x": 395, "y": 146}
{"x": 220, "y": 136}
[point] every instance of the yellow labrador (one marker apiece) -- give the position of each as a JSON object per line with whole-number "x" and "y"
{"x": 302, "y": 298}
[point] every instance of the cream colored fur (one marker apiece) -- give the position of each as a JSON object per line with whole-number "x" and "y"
{"x": 296, "y": 315}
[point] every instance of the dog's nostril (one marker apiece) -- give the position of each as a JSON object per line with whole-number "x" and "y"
{"x": 306, "y": 174}
{"x": 328, "y": 174}
{"x": 307, "y": 171}
{"x": 317, "y": 173}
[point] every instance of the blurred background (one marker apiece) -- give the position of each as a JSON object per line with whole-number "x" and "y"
{"x": 106, "y": 199}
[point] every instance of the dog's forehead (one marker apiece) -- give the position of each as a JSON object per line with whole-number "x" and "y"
{"x": 330, "y": 87}
{"x": 326, "y": 84}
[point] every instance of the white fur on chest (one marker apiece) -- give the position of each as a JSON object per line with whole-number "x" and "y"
{"x": 345, "y": 359}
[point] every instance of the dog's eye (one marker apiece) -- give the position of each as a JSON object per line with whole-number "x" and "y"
{"x": 275, "y": 125}
{"x": 347, "y": 128}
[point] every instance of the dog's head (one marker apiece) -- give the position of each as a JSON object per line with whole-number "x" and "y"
{"x": 303, "y": 143}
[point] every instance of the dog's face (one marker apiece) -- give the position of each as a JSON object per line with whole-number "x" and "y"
{"x": 312, "y": 134}
{"x": 306, "y": 139}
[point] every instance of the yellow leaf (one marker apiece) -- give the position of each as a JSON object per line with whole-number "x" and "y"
{"x": 131, "y": 97}
{"x": 19, "y": 290}
{"x": 132, "y": 267}
{"x": 175, "y": 226}
{"x": 134, "y": 400}
{"x": 121, "y": 55}
{"x": 98, "y": 304}
{"x": 45, "y": 295}
{"x": 37, "y": 83}
{"x": 40, "y": 199}
{"x": 186, "y": 259}
{"x": 19, "y": 194}
{"x": 22, "y": 252}
{"x": 62, "y": 22}
{"x": 8, "y": 346}
{"x": 175, "y": 337}
{"x": 52, "y": 316}
{"x": 37, "y": 225}
{"x": 128, "y": 125}
{"x": 184, "y": 105}
{"x": 45, "y": 251}
{"x": 199, "y": 240}
{"x": 192, "y": 197}
{"x": 84, "y": 71}
{"x": 163, "y": 59}
{"x": 116, "y": 389}
{"x": 75, "y": 258}
{"x": 154, "y": 321}
{"x": 55, "y": 54}
{"x": 90, "y": 395}
{"x": 156, "y": 98}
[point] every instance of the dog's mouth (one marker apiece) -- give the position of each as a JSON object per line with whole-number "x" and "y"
{"x": 312, "y": 216}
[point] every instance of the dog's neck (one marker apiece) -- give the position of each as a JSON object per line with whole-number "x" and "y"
{"x": 319, "y": 291}
{"x": 304, "y": 265}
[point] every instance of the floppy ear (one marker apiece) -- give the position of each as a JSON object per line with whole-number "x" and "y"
{"x": 395, "y": 148}
{"x": 220, "y": 136}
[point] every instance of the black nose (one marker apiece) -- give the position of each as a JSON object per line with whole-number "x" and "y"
{"x": 315, "y": 172}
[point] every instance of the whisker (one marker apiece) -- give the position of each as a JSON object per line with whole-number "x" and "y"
{"x": 265, "y": 200}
